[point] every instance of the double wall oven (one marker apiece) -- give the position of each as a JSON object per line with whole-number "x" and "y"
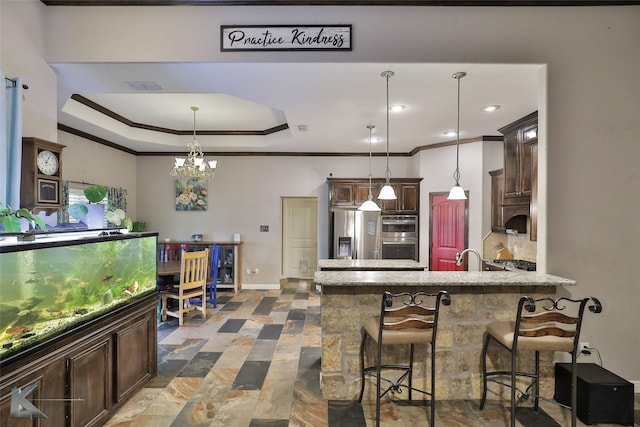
{"x": 399, "y": 237}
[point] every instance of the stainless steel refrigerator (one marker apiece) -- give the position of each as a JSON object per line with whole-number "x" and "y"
{"x": 355, "y": 234}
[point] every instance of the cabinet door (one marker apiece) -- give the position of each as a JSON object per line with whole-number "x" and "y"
{"x": 497, "y": 194}
{"x": 409, "y": 199}
{"x": 533, "y": 208}
{"x": 89, "y": 372}
{"x": 362, "y": 193}
{"x": 131, "y": 372}
{"x": 512, "y": 164}
{"x": 342, "y": 194}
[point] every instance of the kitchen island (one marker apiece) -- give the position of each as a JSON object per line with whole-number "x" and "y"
{"x": 477, "y": 298}
{"x": 370, "y": 265}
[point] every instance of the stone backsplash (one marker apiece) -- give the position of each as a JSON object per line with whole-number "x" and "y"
{"x": 518, "y": 244}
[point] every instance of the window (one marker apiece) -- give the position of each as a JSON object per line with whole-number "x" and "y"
{"x": 77, "y": 197}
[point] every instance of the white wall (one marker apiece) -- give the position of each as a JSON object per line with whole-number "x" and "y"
{"x": 22, "y": 54}
{"x": 592, "y": 195}
{"x": 246, "y": 193}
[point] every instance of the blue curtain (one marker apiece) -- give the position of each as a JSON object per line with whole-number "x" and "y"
{"x": 10, "y": 140}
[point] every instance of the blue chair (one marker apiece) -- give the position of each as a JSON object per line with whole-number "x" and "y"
{"x": 212, "y": 283}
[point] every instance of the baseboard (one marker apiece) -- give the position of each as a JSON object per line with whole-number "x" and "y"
{"x": 636, "y": 386}
{"x": 261, "y": 286}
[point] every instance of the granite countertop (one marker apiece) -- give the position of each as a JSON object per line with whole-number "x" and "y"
{"x": 370, "y": 264}
{"x": 451, "y": 278}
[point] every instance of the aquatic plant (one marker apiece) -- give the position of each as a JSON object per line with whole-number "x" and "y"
{"x": 11, "y": 219}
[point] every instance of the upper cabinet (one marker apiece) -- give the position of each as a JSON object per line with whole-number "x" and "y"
{"x": 352, "y": 192}
{"x": 520, "y": 138}
{"x": 514, "y": 194}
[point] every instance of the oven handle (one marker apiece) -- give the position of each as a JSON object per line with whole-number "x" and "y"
{"x": 398, "y": 221}
{"x": 400, "y": 242}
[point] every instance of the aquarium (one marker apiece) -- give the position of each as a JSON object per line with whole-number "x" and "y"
{"x": 53, "y": 285}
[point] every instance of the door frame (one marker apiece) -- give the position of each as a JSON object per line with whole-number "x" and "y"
{"x": 466, "y": 223}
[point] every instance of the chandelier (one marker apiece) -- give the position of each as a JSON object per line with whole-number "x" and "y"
{"x": 194, "y": 166}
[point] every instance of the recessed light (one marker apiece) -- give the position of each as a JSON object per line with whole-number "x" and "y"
{"x": 397, "y": 108}
{"x": 450, "y": 133}
{"x": 490, "y": 108}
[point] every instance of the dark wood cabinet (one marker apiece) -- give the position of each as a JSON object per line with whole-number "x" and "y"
{"x": 519, "y": 137}
{"x": 497, "y": 193}
{"x": 85, "y": 376}
{"x": 352, "y": 192}
{"x": 89, "y": 382}
{"x": 533, "y": 206}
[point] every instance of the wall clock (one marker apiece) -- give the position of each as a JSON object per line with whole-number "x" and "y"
{"x": 40, "y": 184}
{"x": 47, "y": 162}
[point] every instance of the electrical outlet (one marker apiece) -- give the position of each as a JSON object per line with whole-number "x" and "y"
{"x": 584, "y": 345}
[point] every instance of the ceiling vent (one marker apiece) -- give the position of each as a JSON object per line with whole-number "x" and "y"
{"x": 145, "y": 86}
{"x": 302, "y": 128}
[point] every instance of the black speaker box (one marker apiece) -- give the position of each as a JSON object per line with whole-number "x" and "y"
{"x": 603, "y": 397}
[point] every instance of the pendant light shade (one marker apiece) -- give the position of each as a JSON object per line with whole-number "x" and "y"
{"x": 457, "y": 192}
{"x": 369, "y": 204}
{"x": 387, "y": 193}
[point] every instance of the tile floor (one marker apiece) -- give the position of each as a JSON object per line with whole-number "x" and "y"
{"x": 255, "y": 361}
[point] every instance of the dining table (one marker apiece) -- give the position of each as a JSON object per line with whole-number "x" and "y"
{"x": 165, "y": 272}
{"x": 168, "y": 268}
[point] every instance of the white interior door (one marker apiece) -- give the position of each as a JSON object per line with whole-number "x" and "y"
{"x": 299, "y": 237}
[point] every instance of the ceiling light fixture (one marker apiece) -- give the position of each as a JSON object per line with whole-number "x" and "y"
{"x": 457, "y": 192}
{"x": 369, "y": 205}
{"x": 490, "y": 108}
{"x": 387, "y": 193}
{"x": 194, "y": 166}
{"x": 397, "y": 108}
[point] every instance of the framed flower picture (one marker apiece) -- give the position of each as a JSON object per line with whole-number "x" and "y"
{"x": 191, "y": 195}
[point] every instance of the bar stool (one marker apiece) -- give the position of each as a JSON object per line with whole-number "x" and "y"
{"x": 542, "y": 324}
{"x": 405, "y": 318}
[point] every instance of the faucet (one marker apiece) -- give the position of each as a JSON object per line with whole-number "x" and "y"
{"x": 459, "y": 256}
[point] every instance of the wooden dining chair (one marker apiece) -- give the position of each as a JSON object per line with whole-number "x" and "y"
{"x": 193, "y": 283}
{"x": 212, "y": 281}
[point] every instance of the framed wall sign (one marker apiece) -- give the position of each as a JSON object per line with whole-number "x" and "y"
{"x": 285, "y": 37}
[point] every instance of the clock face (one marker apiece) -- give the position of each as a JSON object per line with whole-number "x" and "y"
{"x": 47, "y": 162}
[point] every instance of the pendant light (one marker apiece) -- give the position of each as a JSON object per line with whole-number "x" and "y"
{"x": 387, "y": 193}
{"x": 457, "y": 192}
{"x": 194, "y": 166}
{"x": 369, "y": 205}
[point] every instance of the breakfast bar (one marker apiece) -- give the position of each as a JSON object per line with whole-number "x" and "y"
{"x": 370, "y": 265}
{"x": 477, "y": 298}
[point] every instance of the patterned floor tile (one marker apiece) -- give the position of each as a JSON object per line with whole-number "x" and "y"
{"x": 255, "y": 362}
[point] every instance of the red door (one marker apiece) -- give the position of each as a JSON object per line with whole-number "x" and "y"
{"x": 448, "y": 232}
